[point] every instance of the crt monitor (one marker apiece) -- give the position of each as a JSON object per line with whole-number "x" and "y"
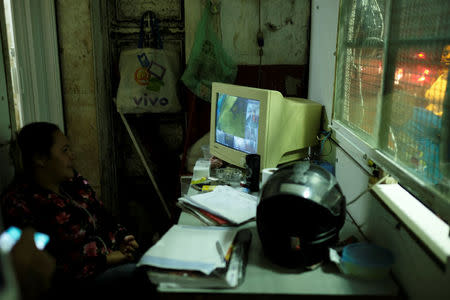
{"x": 246, "y": 120}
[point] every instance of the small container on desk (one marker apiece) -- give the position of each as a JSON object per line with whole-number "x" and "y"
{"x": 201, "y": 169}
{"x": 233, "y": 176}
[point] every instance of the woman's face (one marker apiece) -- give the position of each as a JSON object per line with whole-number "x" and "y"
{"x": 445, "y": 57}
{"x": 60, "y": 162}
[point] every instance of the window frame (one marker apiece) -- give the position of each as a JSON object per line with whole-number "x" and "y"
{"x": 355, "y": 145}
{"x": 362, "y": 152}
{"x": 412, "y": 199}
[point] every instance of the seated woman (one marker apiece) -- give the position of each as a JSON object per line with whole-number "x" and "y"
{"x": 51, "y": 197}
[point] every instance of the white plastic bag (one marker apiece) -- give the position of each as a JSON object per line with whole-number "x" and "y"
{"x": 148, "y": 81}
{"x": 149, "y": 76}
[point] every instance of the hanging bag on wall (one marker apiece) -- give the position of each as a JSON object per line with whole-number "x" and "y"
{"x": 208, "y": 61}
{"x": 148, "y": 76}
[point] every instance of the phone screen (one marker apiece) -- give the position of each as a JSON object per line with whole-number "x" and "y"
{"x": 10, "y": 236}
{"x": 41, "y": 240}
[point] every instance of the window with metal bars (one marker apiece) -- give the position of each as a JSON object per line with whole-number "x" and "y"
{"x": 391, "y": 88}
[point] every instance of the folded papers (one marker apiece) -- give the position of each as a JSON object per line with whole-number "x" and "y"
{"x": 223, "y": 206}
{"x": 186, "y": 247}
{"x": 189, "y": 257}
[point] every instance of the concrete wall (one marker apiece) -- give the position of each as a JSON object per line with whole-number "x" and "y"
{"x": 78, "y": 85}
{"x": 285, "y": 26}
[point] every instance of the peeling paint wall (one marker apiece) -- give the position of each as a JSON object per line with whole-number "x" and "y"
{"x": 78, "y": 85}
{"x": 285, "y": 26}
{"x": 133, "y": 9}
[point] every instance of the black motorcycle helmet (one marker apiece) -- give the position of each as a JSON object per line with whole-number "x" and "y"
{"x": 300, "y": 213}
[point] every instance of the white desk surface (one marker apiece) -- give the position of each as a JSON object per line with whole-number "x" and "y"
{"x": 264, "y": 277}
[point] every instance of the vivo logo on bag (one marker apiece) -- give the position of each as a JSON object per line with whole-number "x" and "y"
{"x": 147, "y": 100}
{"x": 148, "y": 81}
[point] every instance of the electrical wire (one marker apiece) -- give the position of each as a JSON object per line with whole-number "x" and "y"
{"x": 323, "y": 140}
{"x": 355, "y": 199}
{"x": 357, "y": 226}
{"x": 331, "y": 148}
{"x": 366, "y": 190}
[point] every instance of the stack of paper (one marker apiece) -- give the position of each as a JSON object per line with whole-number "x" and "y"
{"x": 194, "y": 248}
{"x": 223, "y": 206}
{"x": 194, "y": 257}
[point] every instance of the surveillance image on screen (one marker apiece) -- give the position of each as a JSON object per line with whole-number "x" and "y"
{"x": 237, "y": 122}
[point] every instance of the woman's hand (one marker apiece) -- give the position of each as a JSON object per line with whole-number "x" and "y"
{"x": 117, "y": 258}
{"x": 125, "y": 252}
{"x": 128, "y": 245}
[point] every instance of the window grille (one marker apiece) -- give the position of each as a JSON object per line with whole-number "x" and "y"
{"x": 391, "y": 84}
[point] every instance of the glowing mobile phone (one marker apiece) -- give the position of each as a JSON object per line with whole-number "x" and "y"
{"x": 10, "y": 236}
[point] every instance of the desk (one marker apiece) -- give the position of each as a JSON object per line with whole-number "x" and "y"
{"x": 264, "y": 280}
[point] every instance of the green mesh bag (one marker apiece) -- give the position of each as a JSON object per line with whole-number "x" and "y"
{"x": 208, "y": 61}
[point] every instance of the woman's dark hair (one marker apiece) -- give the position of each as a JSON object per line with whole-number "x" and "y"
{"x": 35, "y": 138}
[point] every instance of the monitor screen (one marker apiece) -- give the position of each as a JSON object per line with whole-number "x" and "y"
{"x": 237, "y": 123}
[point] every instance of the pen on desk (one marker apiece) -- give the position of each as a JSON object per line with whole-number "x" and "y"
{"x": 221, "y": 254}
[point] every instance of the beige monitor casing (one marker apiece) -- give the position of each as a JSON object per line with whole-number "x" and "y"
{"x": 287, "y": 126}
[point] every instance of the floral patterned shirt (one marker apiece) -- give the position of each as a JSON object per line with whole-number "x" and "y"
{"x": 81, "y": 231}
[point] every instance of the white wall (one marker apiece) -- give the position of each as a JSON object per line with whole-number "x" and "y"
{"x": 324, "y": 18}
{"x": 417, "y": 273}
